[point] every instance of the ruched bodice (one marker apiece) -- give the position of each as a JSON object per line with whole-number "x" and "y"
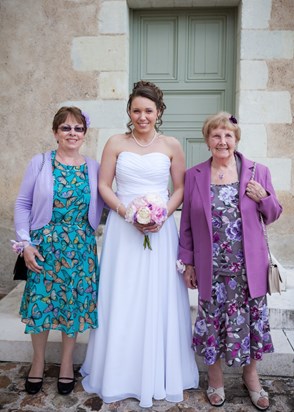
{"x": 140, "y": 174}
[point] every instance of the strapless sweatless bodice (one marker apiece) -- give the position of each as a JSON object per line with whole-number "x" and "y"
{"x": 137, "y": 175}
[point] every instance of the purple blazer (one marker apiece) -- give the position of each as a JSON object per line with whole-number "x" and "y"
{"x": 196, "y": 229}
{"x": 33, "y": 206}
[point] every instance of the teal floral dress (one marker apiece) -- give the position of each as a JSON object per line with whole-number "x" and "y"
{"x": 64, "y": 295}
{"x": 231, "y": 325}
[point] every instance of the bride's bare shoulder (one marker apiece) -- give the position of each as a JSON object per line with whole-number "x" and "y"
{"x": 171, "y": 142}
{"x": 117, "y": 140}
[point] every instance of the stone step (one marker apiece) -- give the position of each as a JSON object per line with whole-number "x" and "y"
{"x": 15, "y": 346}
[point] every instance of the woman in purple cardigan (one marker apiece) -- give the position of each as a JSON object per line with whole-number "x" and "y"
{"x": 223, "y": 253}
{"x": 57, "y": 211}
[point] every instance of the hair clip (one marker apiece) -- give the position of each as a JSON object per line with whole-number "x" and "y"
{"x": 233, "y": 119}
{"x": 87, "y": 118}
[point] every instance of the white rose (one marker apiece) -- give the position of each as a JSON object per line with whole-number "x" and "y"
{"x": 143, "y": 215}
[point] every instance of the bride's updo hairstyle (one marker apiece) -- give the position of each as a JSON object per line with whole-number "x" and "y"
{"x": 150, "y": 91}
{"x": 221, "y": 119}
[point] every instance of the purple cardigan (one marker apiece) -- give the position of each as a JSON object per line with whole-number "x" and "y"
{"x": 34, "y": 203}
{"x": 196, "y": 232}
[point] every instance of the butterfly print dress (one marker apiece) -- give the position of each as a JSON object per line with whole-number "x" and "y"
{"x": 64, "y": 295}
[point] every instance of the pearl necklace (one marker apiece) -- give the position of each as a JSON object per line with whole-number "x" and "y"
{"x": 145, "y": 145}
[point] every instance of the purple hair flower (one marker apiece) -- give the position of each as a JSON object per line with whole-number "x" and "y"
{"x": 87, "y": 118}
{"x": 233, "y": 119}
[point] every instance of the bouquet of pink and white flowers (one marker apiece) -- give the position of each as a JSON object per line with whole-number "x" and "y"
{"x": 147, "y": 210}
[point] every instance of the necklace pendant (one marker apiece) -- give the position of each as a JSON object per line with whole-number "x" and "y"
{"x": 221, "y": 176}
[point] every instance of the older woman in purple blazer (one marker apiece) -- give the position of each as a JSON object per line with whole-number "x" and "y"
{"x": 223, "y": 253}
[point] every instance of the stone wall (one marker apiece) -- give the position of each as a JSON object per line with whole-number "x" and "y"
{"x": 56, "y": 52}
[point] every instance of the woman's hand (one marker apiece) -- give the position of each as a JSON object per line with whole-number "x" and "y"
{"x": 190, "y": 277}
{"x": 255, "y": 191}
{"x": 30, "y": 253}
{"x": 150, "y": 228}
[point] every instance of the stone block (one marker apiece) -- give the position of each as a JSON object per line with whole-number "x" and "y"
{"x": 280, "y": 172}
{"x": 282, "y": 14}
{"x": 265, "y": 44}
{"x": 113, "y": 17}
{"x": 142, "y": 4}
{"x": 103, "y": 113}
{"x": 253, "y": 140}
{"x": 255, "y": 14}
{"x": 290, "y": 336}
{"x": 280, "y": 140}
{"x": 101, "y": 53}
{"x": 281, "y": 75}
{"x": 253, "y": 75}
{"x": 265, "y": 107}
{"x": 113, "y": 85}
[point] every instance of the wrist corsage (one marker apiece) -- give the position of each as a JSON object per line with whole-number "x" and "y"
{"x": 181, "y": 267}
{"x": 18, "y": 247}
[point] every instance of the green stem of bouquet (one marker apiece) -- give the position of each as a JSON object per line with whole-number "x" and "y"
{"x": 147, "y": 242}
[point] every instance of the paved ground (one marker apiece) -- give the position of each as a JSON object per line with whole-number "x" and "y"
{"x": 14, "y": 398}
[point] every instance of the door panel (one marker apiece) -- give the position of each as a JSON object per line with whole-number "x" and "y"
{"x": 205, "y": 49}
{"x": 189, "y": 54}
{"x": 159, "y": 48}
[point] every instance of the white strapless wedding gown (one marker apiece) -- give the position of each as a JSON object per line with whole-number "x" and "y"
{"x": 142, "y": 347}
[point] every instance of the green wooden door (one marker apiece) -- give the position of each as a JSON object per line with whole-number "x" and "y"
{"x": 190, "y": 55}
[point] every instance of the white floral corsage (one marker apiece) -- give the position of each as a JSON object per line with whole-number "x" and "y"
{"x": 18, "y": 247}
{"x": 181, "y": 267}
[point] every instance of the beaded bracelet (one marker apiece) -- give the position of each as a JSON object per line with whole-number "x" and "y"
{"x": 117, "y": 207}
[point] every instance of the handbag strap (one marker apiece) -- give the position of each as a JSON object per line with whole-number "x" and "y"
{"x": 266, "y": 238}
{"x": 262, "y": 222}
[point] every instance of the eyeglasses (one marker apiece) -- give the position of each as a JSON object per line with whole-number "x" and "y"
{"x": 77, "y": 129}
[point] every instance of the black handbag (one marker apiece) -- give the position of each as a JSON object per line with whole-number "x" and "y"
{"x": 20, "y": 270}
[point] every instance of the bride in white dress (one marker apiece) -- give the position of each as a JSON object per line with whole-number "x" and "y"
{"x": 142, "y": 348}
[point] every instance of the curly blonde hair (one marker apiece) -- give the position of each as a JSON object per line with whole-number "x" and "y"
{"x": 221, "y": 119}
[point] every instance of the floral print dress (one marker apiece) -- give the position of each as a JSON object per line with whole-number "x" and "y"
{"x": 64, "y": 295}
{"x": 231, "y": 325}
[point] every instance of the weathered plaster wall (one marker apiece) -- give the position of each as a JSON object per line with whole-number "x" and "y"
{"x": 37, "y": 75}
{"x": 55, "y": 52}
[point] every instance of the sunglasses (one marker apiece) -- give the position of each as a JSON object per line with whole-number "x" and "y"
{"x": 77, "y": 129}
